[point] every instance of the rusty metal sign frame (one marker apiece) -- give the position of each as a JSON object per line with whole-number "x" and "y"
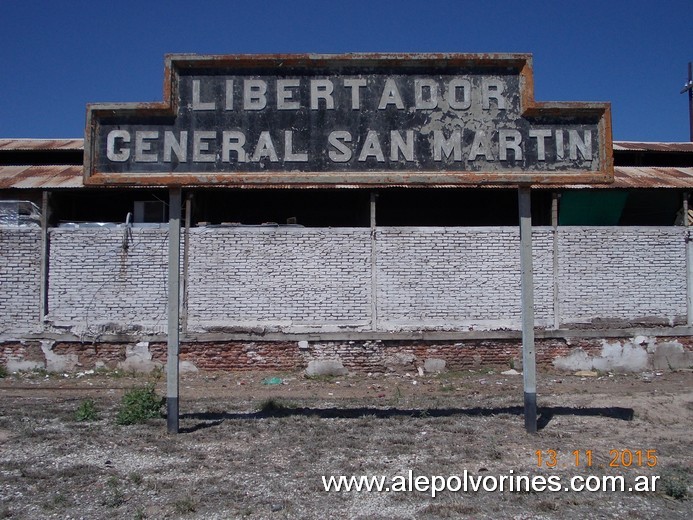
{"x": 449, "y": 63}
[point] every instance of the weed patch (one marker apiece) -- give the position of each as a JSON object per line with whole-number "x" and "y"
{"x": 86, "y": 411}
{"x": 675, "y": 484}
{"x": 138, "y": 405}
{"x": 273, "y": 406}
{"x": 184, "y": 506}
{"x": 114, "y": 495}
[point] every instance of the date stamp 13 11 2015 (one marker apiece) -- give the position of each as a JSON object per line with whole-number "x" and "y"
{"x": 624, "y": 458}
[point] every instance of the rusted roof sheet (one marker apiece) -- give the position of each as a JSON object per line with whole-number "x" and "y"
{"x": 41, "y": 144}
{"x": 25, "y": 177}
{"x": 633, "y": 146}
{"x": 625, "y": 177}
{"x": 642, "y": 177}
{"x": 651, "y": 177}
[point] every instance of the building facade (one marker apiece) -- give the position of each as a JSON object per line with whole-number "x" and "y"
{"x": 375, "y": 280}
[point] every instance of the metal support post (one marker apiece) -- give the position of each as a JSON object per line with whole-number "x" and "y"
{"x": 556, "y": 295}
{"x": 174, "y": 214}
{"x": 186, "y": 257}
{"x": 374, "y": 269}
{"x": 43, "y": 289}
{"x": 527, "y": 287}
{"x": 688, "y": 88}
{"x": 689, "y": 263}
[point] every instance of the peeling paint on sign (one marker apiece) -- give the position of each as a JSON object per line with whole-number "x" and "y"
{"x": 351, "y": 120}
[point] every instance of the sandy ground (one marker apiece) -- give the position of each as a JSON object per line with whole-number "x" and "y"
{"x": 249, "y": 449}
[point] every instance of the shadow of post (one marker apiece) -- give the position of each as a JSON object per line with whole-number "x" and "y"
{"x": 545, "y": 414}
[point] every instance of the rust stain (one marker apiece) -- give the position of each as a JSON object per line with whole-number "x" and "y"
{"x": 26, "y": 177}
{"x": 520, "y": 62}
{"x": 41, "y": 144}
{"x": 70, "y": 176}
{"x": 653, "y": 147}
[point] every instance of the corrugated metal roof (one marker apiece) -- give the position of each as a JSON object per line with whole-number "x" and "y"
{"x": 41, "y": 144}
{"x": 652, "y": 177}
{"x": 24, "y": 177}
{"x": 70, "y": 176}
{"x": 633, "y": 146}
{"x": 625, "y": 177}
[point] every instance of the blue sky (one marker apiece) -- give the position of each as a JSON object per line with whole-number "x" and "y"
{"x": 59, "y": 56}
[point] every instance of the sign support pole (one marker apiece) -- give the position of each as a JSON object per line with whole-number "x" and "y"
{"x": 174, "y": 213}
{"x": 527, "y": 284}
{"x": 131, "y": 144}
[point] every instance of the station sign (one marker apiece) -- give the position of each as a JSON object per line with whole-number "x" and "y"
{"x": 348, "y": 120}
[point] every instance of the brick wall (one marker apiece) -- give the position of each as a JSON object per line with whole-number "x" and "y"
{"x": 20, "y": 278}
{"x": 279, "y": 277}
{"x": 452, "y": 278}
{"x": 319, "y": 279}
{"x": 96, "y": 286}
{"x": 616, "y": 274}
{"x": 355, "y": 356}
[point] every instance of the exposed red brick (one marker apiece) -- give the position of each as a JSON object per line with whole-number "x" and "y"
{"x": 358, "y": 356}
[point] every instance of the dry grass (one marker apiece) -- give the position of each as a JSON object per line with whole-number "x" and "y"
{"x": 248, "y": 451}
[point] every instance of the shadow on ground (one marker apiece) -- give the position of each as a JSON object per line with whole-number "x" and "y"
{"x": 275, "y": 410}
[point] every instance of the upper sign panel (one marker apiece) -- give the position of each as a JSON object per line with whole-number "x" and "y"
{"x": 348, "y": 120}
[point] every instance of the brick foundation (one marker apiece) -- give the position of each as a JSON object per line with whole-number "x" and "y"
{"x": 356, "y": 356}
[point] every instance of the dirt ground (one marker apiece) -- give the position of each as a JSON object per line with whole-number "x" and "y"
{"x": 255, "y": 445}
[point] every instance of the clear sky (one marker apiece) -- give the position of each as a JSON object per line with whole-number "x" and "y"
{"x": 57, "y": 56}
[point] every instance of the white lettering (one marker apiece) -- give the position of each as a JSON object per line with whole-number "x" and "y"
{"x": 285, "y": 99}
{"x": 233, "y": 141}
{"x": 430, "y": 86}
{"x": 584, "y": 145}
{"x": 452, "y": 91}
{"x": 355, "y": 84}
{"x": 399, "y": 145}
{"x": 196, "y": 103}
{"x": 480, "y": 146}
{"x": 492, "y": 89}
{"x": 510, "y": 139}
{"x": 229, "y": 94}
{"x": 143, "y": 145}
{"x": 289, "y": 154}
{"x": 201, "y": 145}
{"x": 446, "y": 147}
{"x": 123, "y": 153}
{"x": 176, "y": 146}
{"x": 264, "y": 148}
{"x": 342, "y": 153}
{"x": 559, "y": 145}
{"x": 321, "y": 89}
{"x": 540, "y": 135}
{"x": 390, "y": 96}
{"x": 371, "y": 148}
{"x": 254, "y": 94}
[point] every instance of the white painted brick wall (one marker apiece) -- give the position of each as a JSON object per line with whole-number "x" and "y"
{"x": 20, "y": 278}
{"x": 279, "y": 276}
{"x": 298, "y": 279}
{"x": 457, "y": 278}
{"x": 629, "y": 273}
{"x": 94, "y": 281}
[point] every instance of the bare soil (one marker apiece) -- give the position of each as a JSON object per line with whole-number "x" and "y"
{"x": 249, "y": 449}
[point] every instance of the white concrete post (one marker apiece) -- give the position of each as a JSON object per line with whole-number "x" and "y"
{"x": 527, "y": 286}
